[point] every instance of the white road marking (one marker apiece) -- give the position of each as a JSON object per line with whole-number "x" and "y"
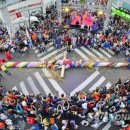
{"x": 33, "y": 86}
{"x": 24, "y": 88}
{"x": 89, "y": 53}
{"x": 108, "y": 85}
{"x": 97, "y": 84}
{"x": 49, "y": 44}
{"x": 34, "y": 48}
{"x": 110, "y": 51}
{"x": 85, "y": 83}
{"x": 53, "y": 82}
{"x": 49, "y": 55}
{"x": 59, "y": 56}
{"x": 15, "y": 88}
{"x": 48, "y": 50}
{"x": 36, "y": 51}
{"x": 104, "y": 52}
{"x": 107, "y": 127}
{"x": 42, "y": 83}
{"x": 99, "y": 54}
{"x": 81, "y": 54}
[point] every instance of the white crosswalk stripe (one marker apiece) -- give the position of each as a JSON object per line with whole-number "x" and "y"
{"x": 49, "y": 55}
{"x": 105, "y": 53}
{"x": 99, "y": 54}
{"x": 48, "y": 50}
{"x": 34, "y": 48}
{"x": 85, "y": 83}
{"x": 108, "y": 85}
{"x": 49, "y": 44}
{"x": 53, "y": 82}
{"x": 15, "y": 88}
{"x": 36, "y": 51}
{"x": 33, "y": 86}
{"x": 23, "y": 88}
{"x": 107, "y": 127}
{"x": 89, "y": 53}
{"x": 97, "y": 84}
{"x": 42, "y": 83}
{"x": 59, "y": 56}
{"x": 81, "y": 54}
{"x": 110, "y": 51}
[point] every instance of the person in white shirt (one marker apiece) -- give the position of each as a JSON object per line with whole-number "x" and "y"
{"x": 73, "y": 41}
{"x": 85, "y": 107}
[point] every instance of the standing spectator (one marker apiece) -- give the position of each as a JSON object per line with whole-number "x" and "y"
{"x": 8, "y": 55}
{"x": 4, "y": 69}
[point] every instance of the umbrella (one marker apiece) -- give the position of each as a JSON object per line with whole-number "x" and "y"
{"x": 2, "y": 125}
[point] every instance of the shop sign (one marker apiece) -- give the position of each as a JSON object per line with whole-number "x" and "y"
{"x": 120, "y": 13}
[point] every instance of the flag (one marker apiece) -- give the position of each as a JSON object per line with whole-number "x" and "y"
{"x": 30, "y": 41}
{"x": 27, "y": 34}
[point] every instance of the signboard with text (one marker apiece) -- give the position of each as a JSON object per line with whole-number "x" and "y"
{"x": 120, "y": 13}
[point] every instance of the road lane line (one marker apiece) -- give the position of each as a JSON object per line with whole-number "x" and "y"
{"x": 99, "y": 54}
{"x": 107, "y": 127}
{"x": 49, "y": 55}
{"x": 53, "y": 82}
{"x": 89, "y": 53}
{"x": 97, "y": 84}
{"x": 42, "y": 83}
{"x": 81, "y": 54}
{"x": 24, "y": 88}
{"x": 48, "y": 50}
{"x": 33, "y": 86}
{"x": 85, "y": 83}
{"x": 104, "y": 52}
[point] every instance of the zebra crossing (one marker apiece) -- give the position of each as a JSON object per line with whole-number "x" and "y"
{"x": 39, "y": 84}
{"x": 95, "y": 79}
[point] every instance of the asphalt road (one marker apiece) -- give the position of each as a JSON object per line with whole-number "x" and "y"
{"x": 74, "y": 80}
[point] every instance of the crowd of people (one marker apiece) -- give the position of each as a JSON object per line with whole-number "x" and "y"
{"x": 116, "y": 36}
{"x": 67, "y": 112}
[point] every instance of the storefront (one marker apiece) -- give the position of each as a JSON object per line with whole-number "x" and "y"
{"x": 120, "y": 13}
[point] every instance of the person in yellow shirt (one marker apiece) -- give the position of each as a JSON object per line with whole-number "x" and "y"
{"x": 4, "y": 69}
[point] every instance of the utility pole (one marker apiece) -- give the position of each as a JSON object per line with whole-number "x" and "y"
{"x": 43, "y": 7}
{"x": 108, "y": 14}
{"x": 59, "y": 9}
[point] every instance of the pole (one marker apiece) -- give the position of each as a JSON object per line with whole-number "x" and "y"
{"x": 43, "y": 7}
{"x": 59, "y": 9}
{"x": 108, "y": 14}
{"x": 29, "y": 18}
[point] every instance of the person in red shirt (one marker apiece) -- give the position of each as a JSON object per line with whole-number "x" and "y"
{"x": 8, "y": 55}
